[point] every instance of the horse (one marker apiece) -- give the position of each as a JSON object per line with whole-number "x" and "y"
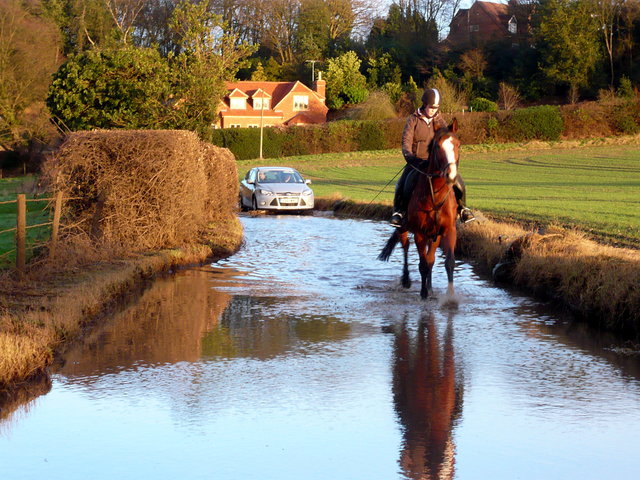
{"x": 432, "y": 211}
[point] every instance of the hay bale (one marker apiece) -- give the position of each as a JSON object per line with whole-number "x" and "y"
{"x": 142, "y": 189}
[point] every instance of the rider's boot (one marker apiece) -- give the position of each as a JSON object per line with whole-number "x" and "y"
{"x": 466, "y": 215}
{"x": 399, "y": 202}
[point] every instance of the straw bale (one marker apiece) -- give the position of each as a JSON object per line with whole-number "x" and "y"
{"x": 142, "y": 189}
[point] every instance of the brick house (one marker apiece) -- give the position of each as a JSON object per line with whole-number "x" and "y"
{"x": 485, "y": 22}
{"x": 250, "y": 104}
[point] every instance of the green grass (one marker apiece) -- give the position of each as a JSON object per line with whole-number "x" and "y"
{"x": 37, "y": 212}
{"x": 593, "y": 189}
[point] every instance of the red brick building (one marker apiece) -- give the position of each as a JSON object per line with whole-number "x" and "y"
{"x": 484, "y": 22}
{"x": 251, "y": 104}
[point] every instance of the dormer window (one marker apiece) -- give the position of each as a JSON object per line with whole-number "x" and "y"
{"x": 261, "y": 103}
{"x": 301, "y": 102}
{"x": 474, "y": 28}
{"x": 513, "y": 25}
{"x": 237, "y": 103}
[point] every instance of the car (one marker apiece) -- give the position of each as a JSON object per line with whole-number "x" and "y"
{"x": 275, "y": 188}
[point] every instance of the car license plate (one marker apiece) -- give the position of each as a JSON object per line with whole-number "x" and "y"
{"x": 288, "y": 200}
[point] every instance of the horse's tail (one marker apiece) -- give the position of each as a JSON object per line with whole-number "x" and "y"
{"x": 388, "y": 248}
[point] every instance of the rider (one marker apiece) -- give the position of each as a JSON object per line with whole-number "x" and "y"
{"x": 416, "y": 137}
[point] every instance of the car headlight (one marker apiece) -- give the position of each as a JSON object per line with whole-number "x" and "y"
{"x": 266, "y": 192}
{"x": 307, "y": 192}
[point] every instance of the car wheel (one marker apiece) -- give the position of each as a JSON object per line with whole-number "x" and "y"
{"x": 242, "y": 207}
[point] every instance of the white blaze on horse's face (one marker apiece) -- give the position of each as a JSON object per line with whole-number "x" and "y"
{"x": 449, "y": 149}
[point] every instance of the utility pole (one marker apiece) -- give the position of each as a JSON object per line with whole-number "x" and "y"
{"x": 261, "y": 122}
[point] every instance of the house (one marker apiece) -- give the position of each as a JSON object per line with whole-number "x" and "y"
{"x": 252, "y": 104}
{"x": 485, "y": 22}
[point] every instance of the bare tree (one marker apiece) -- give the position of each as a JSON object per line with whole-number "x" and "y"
{"x": 608, "y": 14}
{"x": 124, "y": 14}
{"x": 280, "y": 27}
{"x": 473, "y": 63}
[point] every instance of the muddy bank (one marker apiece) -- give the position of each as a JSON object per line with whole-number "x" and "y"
{"x": 46, "y": 311}
{"x": 598, "y": 284}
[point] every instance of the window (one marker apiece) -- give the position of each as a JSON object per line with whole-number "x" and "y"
{"x": 474, "y": 28}
{"x": 513, "y": 25}
{"x": 234, "y": 125}
{"x": 237, "y": 103}
{"x": 253, "y": 126}
{"x": 260, "y": 103}
{"x": 301, "y": 102}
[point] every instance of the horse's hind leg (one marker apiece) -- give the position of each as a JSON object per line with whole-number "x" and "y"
{"x": 404, "y": 240}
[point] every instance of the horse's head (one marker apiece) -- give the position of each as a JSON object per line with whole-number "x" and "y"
{"x": 446, "y": 151}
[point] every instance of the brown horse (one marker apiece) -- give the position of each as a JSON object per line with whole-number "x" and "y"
{"x": 432, "y": 212}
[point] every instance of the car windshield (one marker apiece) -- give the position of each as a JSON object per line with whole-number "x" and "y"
{"x": 279, "y": 176}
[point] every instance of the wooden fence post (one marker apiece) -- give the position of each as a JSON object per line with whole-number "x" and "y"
{"x": 57, "y": 210}
{"x": 21, "y": 233}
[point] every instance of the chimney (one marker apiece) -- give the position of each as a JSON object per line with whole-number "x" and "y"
{"x": 320, "y": 86}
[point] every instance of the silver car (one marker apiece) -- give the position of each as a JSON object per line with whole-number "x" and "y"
{"x": 275, "y": 188}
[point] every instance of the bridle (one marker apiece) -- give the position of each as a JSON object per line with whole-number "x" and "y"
{"x": 443, "y": 172}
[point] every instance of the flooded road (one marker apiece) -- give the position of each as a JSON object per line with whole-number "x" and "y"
{"x": 301, "y": 357}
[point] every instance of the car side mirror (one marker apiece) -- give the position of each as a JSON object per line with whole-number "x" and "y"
{"x": 307, "y": 181}
{"x": 251, "y": 182}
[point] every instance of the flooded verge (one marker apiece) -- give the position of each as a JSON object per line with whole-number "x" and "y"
{"x": 302, "y": 357}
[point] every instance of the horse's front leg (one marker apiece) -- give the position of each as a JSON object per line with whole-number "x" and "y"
{"x": 404, "y": 241}
{"x": 448, "y": 247}
{"x": 427, "y": 252}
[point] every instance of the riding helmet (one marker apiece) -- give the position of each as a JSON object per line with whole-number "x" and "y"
{"x": 431, "y": 97}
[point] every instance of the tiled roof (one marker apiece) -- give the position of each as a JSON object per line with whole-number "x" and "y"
{"x": 496, "y": 10}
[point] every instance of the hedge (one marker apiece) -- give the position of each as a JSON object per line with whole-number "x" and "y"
{"x": 339, "y": 136}
{"x": 545, "y": 122}
{"x": 535, "y": 123}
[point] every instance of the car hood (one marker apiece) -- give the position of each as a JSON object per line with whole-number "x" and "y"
{"x": 283, "y": 187}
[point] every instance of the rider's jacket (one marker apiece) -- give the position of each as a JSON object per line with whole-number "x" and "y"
{"x": 417, "y": 135}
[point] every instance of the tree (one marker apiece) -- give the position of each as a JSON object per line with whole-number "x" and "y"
{"x": 29, "y": 54}
{"x": 567, "y": 36}
{"x": 608, "y": 12}
{"x": 114, "y": 88}
{"x": 409, "y": 37}
{"x": 135, "y": 87}
{"x": 345, "y": 83}
{"x": 83, "y": 24}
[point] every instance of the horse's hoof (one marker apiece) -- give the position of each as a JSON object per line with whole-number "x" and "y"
{"x": 424, "y": 295}
{"x": 406, "y": 283}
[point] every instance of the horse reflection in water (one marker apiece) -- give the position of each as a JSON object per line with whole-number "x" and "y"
{"x": 428, "y": 399}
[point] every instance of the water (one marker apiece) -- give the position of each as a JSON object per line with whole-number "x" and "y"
{"x": 301, "y": 357}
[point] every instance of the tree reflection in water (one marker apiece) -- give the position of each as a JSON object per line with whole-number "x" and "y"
{"x": 427, "y": 397}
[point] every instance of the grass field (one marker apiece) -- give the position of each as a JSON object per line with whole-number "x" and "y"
{"x": 37, "y": 212}
{"x": 592, "y": 189}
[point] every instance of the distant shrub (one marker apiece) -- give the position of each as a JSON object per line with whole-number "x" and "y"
{"x": 492, "y": 126}
{"x": 377, "y": 107}
{"x": 625, "y": 89}
{"x": 543, "y": 122}
{"x": 452, "y": 99}
{"x": 480, "y": 104}
{"x": 626, "y": 118}
{"x": 393, "y": 90}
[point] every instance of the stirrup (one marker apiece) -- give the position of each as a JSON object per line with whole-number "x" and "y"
{"x": 466, "y": 215}
{"x": 396, "y": 220}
